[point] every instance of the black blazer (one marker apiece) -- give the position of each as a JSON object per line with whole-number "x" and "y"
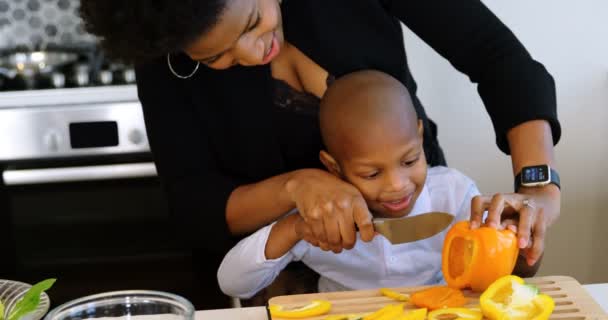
{"x": 213, "y": 132}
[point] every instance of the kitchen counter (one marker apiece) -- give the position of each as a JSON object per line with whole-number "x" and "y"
{"x": 599, "y": 292}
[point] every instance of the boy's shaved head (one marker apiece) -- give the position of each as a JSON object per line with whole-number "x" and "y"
{"x": 361, "y": 104}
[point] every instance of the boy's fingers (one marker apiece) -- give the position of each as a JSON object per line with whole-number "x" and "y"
{"x": 324, "y": 246}
{"x": 363, "y": 220}
{"x": 477, "y": 210}
{"x": 310, "y": 239}
{"x": 305, "y": 232}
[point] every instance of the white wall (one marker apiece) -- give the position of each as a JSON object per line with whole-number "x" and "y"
{"x": 571, "y": 39}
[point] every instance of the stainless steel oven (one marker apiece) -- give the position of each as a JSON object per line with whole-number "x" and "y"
{"x": 81, "y": 200}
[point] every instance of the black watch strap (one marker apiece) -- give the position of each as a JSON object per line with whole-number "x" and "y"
{"x": 554, "y": 180}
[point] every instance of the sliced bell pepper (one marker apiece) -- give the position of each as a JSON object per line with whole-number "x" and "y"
{"x": 475, "y": 308}
{"x": 509, "y": 298}
{"x": 438, "y": 297}
{"x": 455, "y": 314}
{"x": 476, "y": 258}
{"x": 418, "y": 314}
{"x": 344, "y": 317}
{"x": 387, "y": 312}
{"x": 314, "y": 308}
{"x": 394, "y": 294}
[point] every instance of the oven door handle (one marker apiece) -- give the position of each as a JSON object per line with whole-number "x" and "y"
{"x": 75, "y": 174}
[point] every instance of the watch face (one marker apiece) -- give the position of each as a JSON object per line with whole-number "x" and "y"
{"x": 535, "y": 174}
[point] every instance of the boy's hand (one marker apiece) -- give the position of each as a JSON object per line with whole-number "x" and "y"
{"x": 331, "y": 208}
{"x": 529, "y": 212}
{"x": 304, "y": 232}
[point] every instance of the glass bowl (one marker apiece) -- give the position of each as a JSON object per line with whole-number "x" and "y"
{"x": 132, "y": 304}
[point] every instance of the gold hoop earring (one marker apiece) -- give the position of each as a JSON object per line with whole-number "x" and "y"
{"x": 179, "y": 75}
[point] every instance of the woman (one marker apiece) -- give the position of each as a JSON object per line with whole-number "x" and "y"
{"x": 231, "y": 109}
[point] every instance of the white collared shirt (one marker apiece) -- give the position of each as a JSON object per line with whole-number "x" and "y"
{"x": 245, "y": 269}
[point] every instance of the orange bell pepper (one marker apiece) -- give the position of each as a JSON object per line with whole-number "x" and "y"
{"x": 476, "y": 258}
{"x": 438, "y": 297}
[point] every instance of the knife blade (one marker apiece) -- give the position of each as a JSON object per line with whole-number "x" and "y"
{"x": 414, "y": 228}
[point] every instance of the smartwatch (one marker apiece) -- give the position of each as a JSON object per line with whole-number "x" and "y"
{"x": 536, "y": 176}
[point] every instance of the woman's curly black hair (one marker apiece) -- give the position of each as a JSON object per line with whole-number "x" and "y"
{"x": 139, "y": 30}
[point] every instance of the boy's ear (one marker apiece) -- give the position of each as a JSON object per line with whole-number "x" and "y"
{"x": 420, "y": 129}
{"x": 330, "y": 163}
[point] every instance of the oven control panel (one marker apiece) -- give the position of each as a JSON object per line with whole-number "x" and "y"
{"x": 72, "y": 129}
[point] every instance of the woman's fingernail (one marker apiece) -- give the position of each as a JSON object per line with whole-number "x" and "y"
{"x": 522, "y": 243}
{"x": 474, "y": 225}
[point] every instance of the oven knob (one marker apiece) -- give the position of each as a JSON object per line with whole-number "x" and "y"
{"x": 51, "y": 141}
{"x": 136, "y": 136}
{"x": 105, "y": 77}
{"x": 57, "y": 80}
{"x": 129, "y": 76}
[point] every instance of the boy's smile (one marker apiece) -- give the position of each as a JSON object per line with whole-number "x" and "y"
{"x": 399, "y": 204}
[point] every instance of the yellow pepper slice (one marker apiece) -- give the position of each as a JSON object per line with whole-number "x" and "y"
{"x": 418, "y": 314}
{"x": 315, "y": 308}
{"x": 509, "y": 298}
{"x": 394, "y": 294}
{"x": 387, "y": 312}
{"x": 345, "y": 316}
{"x": 456, "y": 313}
{"x": 475, "y": 308}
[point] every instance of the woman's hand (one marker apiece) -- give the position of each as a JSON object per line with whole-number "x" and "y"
{"x": 331, "y": 208}
{"x": 528, "y": 212}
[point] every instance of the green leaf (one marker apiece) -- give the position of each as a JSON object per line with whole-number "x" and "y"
{"x": 31, "y": 299}
{"x": 1, "y": 311}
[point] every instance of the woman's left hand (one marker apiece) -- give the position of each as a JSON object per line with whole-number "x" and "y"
{"x": 531, "y": 210}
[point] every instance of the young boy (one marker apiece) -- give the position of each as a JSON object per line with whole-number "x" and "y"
{"x": 374, "y": 141}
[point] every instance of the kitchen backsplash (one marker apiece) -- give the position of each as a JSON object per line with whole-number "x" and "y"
{"x": 39, "y": 24}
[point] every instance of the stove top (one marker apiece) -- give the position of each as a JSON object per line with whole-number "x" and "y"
{"x": 86, "y": 71}
{"x": 44, "y": 45}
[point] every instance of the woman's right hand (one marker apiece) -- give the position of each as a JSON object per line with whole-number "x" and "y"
{"x": 331, "y": 209}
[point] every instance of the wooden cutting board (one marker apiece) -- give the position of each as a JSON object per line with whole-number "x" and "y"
{"x": 572, "y": 302}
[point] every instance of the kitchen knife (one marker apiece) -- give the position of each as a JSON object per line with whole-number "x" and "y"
{"x": 414, "y": 228}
